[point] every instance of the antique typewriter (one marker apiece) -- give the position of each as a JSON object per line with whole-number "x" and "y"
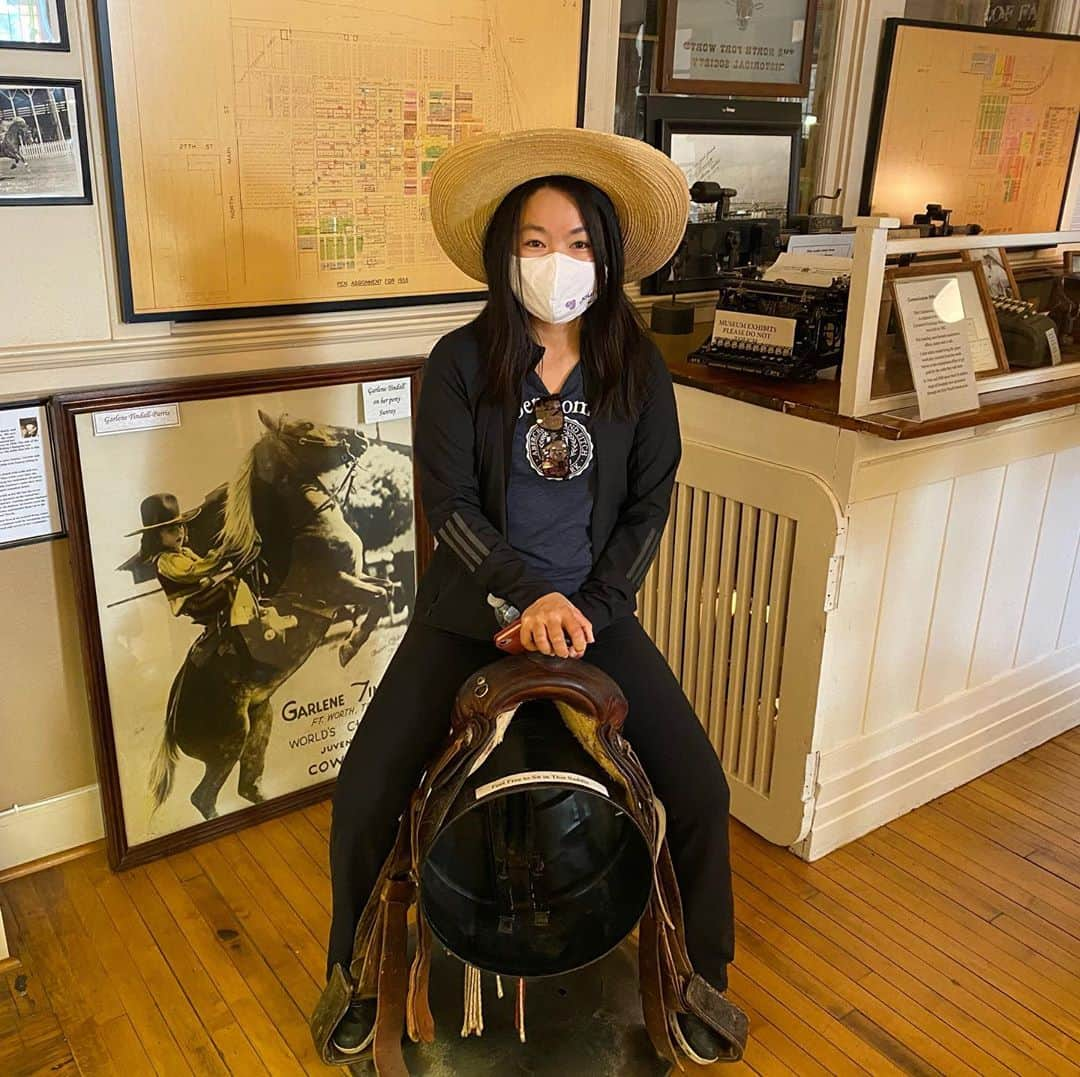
{"x": 799, "y": 328}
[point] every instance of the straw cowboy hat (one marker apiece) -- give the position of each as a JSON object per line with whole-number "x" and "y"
{"x": 646, "y": 187}
{"x": 162, "y": 510}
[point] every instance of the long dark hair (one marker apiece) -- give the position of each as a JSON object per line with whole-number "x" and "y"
{"x": 613, "y": 340}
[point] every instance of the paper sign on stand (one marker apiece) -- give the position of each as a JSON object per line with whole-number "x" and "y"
{"x": 936, "y": 335}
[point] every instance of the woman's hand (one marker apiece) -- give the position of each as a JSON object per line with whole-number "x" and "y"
{"x": 549, "y": 621}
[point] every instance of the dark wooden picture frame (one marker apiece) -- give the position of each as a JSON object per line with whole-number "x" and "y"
{"x": 880, "y": 100}
{"x": 78, "y": 134}
{"x": 129, "y": 313}
{"x": 67, "y": 410}
{"x": 61, "y": 44}
{"x": 890, "y": 343}
{"x": 669, "y": 83}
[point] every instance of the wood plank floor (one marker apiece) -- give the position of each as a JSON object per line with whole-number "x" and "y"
{"x": 947, "y": 942}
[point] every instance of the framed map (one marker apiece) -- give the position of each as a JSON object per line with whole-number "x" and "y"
{"x": 983, "y": 122}
{"x": 273, "y": 156}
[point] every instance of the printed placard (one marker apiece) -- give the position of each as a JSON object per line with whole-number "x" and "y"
{"x": 386, "y": 400}
{"x": 128, "y": 420}
{"x": 939, "y": 346}
{"x": 1055, "y": 347}
{"x": 535, "y": 777}
{"x": 29, "y": 507}
{"x": 759, "y": 329}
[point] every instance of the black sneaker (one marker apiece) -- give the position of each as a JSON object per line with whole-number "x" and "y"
{"x": 356, "y": 1030}
{"x": 700, "y": 1042}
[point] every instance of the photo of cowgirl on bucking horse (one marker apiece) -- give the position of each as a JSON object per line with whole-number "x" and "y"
{"x": 263, "y": 579}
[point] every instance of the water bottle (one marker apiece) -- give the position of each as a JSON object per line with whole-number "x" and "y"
{"x": 505, "y": 614}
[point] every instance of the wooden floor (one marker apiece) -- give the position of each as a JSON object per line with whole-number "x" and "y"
{"x": 947, "y": 942}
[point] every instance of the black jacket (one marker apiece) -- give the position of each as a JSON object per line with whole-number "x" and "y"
{"x": 463, "y": 447}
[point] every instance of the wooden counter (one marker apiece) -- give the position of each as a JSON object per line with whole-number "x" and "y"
{"x": 819, "y": 401}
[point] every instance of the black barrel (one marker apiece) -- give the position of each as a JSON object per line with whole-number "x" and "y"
{"x": 537, "y": 869}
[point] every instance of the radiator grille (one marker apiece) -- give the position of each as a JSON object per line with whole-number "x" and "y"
{"x": 715, "y": 602}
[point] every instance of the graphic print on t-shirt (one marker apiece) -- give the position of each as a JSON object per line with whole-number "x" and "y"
{"x": 579, "y": 447}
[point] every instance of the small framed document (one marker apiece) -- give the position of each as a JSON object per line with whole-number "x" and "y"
{"x": 893, "y": 369}
{"x": 943, "y": 347}
{"x": 29, "y": 505}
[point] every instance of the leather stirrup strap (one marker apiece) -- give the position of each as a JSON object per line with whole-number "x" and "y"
{"x": 652, "y": 992}
{"x": 393, "y": 981}
{"x": 421, "y": 1022}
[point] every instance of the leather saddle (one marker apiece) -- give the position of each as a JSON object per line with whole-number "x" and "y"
{"x": 593, "y": 709}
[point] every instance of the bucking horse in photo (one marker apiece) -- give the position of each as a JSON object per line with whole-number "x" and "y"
{"x": 12, "y": 138}
{"x": 280, "y": 526}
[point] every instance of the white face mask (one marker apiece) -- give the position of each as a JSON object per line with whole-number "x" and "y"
{"x": 554, "y": 287}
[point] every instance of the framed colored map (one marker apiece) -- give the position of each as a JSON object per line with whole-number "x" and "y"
{"x": 274, "y": 156}
{"x": 983, "y": 122}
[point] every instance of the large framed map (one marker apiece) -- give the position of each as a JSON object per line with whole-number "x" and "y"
{"x": 983, "y": 122}
{"x": 273, "y": 156}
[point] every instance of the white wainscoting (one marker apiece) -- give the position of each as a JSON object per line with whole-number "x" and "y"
{"x": 956, "y": 642}
{"x": 29, "y": 832}
{"x": 872, "y": 780}
{"x": 949, "y": 585}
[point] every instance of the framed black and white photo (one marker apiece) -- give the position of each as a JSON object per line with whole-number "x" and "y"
{"x": 34, "y": 24}
{"x": 750, "y": 147}
{"x": 747, "y": 48}
{"x": 43, "y": 151}
{"x": 246, "y": 553}
{"x": 996, "y": 269}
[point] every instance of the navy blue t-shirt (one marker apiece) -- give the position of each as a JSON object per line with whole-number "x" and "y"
{"x": 548, "y": 519}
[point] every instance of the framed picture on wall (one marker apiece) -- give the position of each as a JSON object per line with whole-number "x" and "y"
{"x": 43, "y": 153}
{"x": 296, "y": 174}
{"x": 34, "y": 24}
{"x": 246, "y": 551}
{"x": 748, "y": 48}
{"x": 749, "y": 147}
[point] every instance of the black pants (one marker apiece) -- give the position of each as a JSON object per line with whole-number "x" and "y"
{"x": 408, "y": 720}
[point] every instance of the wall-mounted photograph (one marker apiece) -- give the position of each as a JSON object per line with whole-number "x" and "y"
{"x": 34, "y": 24}
{"x": 43, "y": 154}
{"x": 246, "y": 562}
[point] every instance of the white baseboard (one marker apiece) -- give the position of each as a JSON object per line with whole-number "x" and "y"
{"x": 930, "y": 753}
{"x": 31, "y": 831}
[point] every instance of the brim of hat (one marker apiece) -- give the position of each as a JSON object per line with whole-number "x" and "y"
{"x": 181, "y": 519}
{"x": 647, "y": 189}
